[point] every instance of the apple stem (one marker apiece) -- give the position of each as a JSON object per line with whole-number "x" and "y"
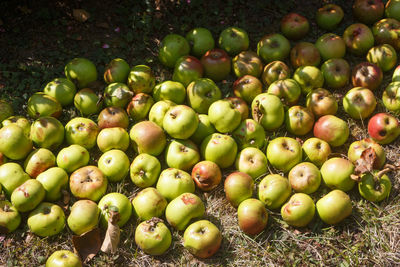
{"x": 387, "y": 168}
{"x": 6, "y": 208}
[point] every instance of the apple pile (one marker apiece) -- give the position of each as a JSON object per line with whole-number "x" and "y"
{"x": 188, "y": 137}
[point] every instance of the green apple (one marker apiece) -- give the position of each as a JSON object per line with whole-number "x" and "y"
{"x": 331, "y": 129}
{"x": 273, "y": 71}
{"x": 6, "y": 110}
{"x": 204, "y": 129}
{"x": 113, "y": 117}
{"x": 47, "y": 219}
{"x": 392, "y": 9}
{"x": 201, "y": 93}
{"x": 14, "y": 170}
{"x": 359, "y": 102}
{"x": 249, "y": 133}
{"x": 28, "y": 195}
{"x": 373, "y": 188}
{"x": 252, "y": 216}
{"x": 305, "y": 178}
{"x": 330, "y": 46}
{"x": 141, "y": 79}
{"x": 247, "y": 87}
{"x": 84, "y": 216}
{"x": 299, "y": 210}
{"x": 139, "y": 106}
{"x": 172, "y": 47}
{"x": 336, "y": 174}
{"x": 316, "y": 151}
{"x": 329, "y": 16}
{"x": 385, "y": 31}
{"x": 358, "y": 39}
{"x": 114, "y": 164}
{"x": 41, "y": 105}
{"x": 88, "y": 183}
{"x": 336, "y": 72}
{"x": 384, "y": 56}
{"x": 294, "y": 26}
{"x": 391, "y": 97}
{"x": 274, "y": 190}
{"x": 81, "y": 72}
{"x": 305, "y": 54}
{"x": 81, "y": 131}
{"x": 251, "y": 161}
{"x": 115, "y": 202}
{"x": 153, "y": 237}
{"x": 358, "y": 147}
{"x": 149, "y": 203}
{"x": 180, "y": 122}
{"x": 54, "y": 180}
{"x": 72, "y": 158}
{"x": 299, "y": 120}
{"x": 47, "y": 132}
{"x": 63, "y": 258}
{"x": 288, "y": 90}
{"x": 88, "y": 102}
{"x": 309, "y": 78}
{"x": 38, "y": 161}
{"x": 113, "y": 138}
{"x": 144, "y": 170}
{"x": 174, "y": 182}
{"x": 283, "y": 153}
{"x": 207, "y": 175}
{"x": 117, "y": 95}
{"x": 224, "y": 116}
{"x": 116, "y": 71}
{"x": 187, "y": 69}
{"x": 273, "y": 47}
{"x": 220, "y": 149}
{"x": 148, "y": 137}
{"x": 238, "y": 186}
{"x": 61, "y": 89}
{"x": 170, "y": 90}
{"x": 334, "y": 207}
{"x": 247, "y": 63}
{"x": 322, "y": 102}
{"x": 233, "y": 40}
{"x": 200, "y": 41}
{"x": 14, "y": 144}
{"x": 268, "y": 111}
{"x": 181, "y": 154}
{"x": 158, "y": 111}
{"x": 181, "y": 210}
{"x": 20, "y": 121}
{"x": 10, "y": 218}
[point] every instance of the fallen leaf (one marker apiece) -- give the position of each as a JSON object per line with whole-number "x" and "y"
{"x": 81, "y": 15}
{"x": 366, "y": 161}
{"x": 111, "y": 240}
{"x": 87, "y": 245}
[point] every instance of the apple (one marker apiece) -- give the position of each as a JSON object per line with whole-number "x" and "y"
{"x": 358, "y": 39}
{"x": 204, "y": 129}
{"x": 283, "y": 153}
{"x": 180, "y": 122}
{"x": 336, "y": 72}
{"x": 316, "y": 151}
{"x": 220, "y": 149}
{"x": 392, "y": 9}
{"x": 334, "y": 207}
{"x": 153, "y": 237}
{"x": 384, "y": 56}
{"x": 329, "y": 16}
{"x": 148, "y": 137}
{"x": 117, "y": 95}
{"x": 268, "y": 110}
{"x": 201, "y": 93}
{"x": 20, "y": 121}
{"x": 367, "y": 75}
{"x": 321, "y": 102}
{"x": 144, "y": 170}
{"x": 299, "y": 210}
{"x": 53, "y": 180}
{"x": 202, "y": 239}
{"x": 149, "y": 203}
{"x": 181, "y": 154}
{"x": 184, "y": 208}
{"x": 47, "y": 219}
{"x": 240, "y": 105}
{"x": 223, "y": 115}
{"x": 139, "y": 106}
{"x": 41, "y": 105}
{"x": 207, "y": 175}
{"x": 294, "y": 26}
{"x": 61, "y": 89}
{"x": 336, "y": 174}
{"x": 383, "y": 128}
{"x": 3, "y": 159}
{"x": 309, "y": 78}
{"x": 330, "y": 46}
{"x": 273, "y": 47}
{"x": 386, "y": 31}
{"x": 6, "y": 110}
{"x": 238, "y": 186}
{"x": 200, "y": 41}
{"x": 10, "y": 218}
{"x": 274, "y": 190}
{"x": 114, "y": 164}
{"x": 368, "y": 11}
{"x": 47, "y": 132}
{"x": 187, "y": 69}
{"x": 84, "y": 216}
{"x": 374, "y": 189}
{"x": 251, "y": 161}
{"x": 305, "y": 178}
{"x": 395, "y": 77}
{"x": 38, "y": 161}
{"x": 247, "y": 63}
{"x": 172, "y": 47}
{"x": 113, "y": 138}
{"x": 158, "y": 111}
{"x": 305, "y": 54}
{"x": 88, "y": 102}
{"x": 81, "y": 131}
{"x": 359, "y": 103}
{"x": 217, "y": 64}
{"x": 247, "y": 87}
{"x": 273, "y": 71}
{"x": 141, "y": 79}
{"x": 14, "y": 170}
{"x": 331, "y": 129}
{"x": 72, "y": 158}
{"x": 81, "y": 72}
{"x": 233, "y": 40}
{"x": 115, "y": 202}
{"x": 113, "y": 117}
{"x": 288, "y": 90}
{"x": 88, "y": 183}
{"x": 14, "y": 144}
{"x": 357, "y": 148}
{"x": 391, "y": 97}
{"x": 252, "y": 216}
{"x": 28, "y": 195}
{"x": 63, "y": 258}
{"x": 249, "y": 133}
{"x": 170, "y": 90}
{"x": 174, "y": 182}
{"x": 116, "y": 71}
{"x": 299, "y": 120}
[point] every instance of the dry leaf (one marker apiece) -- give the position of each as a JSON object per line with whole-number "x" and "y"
{"x": 87, "y": 245}
{"x": 111, "y": 240}
{"x": 81, "y": 15}
{"x": 366, "y": 161}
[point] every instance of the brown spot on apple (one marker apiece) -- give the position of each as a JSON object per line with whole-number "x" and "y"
{"x": 187, "y": 199}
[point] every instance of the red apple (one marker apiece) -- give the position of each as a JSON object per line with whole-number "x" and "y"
{"x": 321, "y": 102}
{"x": 217, "y": 64}
{"x": 273, "y": 71}
{"x": 294, "y": 26}
{"x": 207, "y": 175}
{"x": 304, "y": 54}
{"x": 368, "y": 11}
{"x": 367, "y": 75}
{"x": 383, "y": 128}
{"x": 332, "y": 129}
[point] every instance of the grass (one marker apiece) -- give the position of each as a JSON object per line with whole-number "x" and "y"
{"x": 39, "y": 39}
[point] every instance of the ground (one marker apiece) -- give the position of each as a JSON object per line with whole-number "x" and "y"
{"x": 39, "y": 37}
